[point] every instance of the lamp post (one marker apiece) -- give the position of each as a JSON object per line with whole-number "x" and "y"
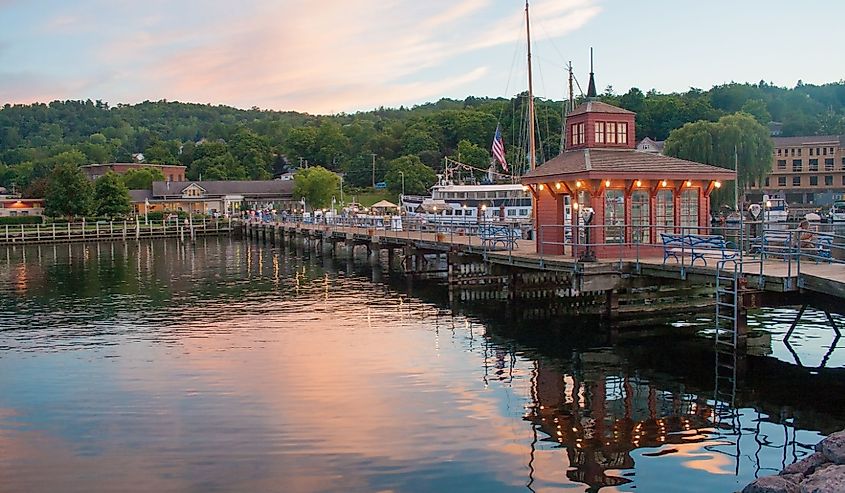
{"x": 402, "y": 195}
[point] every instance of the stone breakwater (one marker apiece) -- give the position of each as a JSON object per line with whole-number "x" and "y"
{"x": 821, "y": 472}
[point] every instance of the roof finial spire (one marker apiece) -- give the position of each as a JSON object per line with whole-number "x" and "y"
{"x": 591, "y": 89}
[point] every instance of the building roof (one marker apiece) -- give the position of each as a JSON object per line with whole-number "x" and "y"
{"x": 226, "y": 187}
{"x": 140, "y": 195}
{"x": 658, "y": 144}
{"x": 383, "y": 204}
{"x": 598, "y": 107}
{"x": 623, "y": 163}
{"x": 134, "y": 165}
{"x": 809, "y": 139}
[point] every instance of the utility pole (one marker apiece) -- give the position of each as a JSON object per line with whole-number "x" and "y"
{"x": 567, "y": 108}
{"x": 374, "y": 169}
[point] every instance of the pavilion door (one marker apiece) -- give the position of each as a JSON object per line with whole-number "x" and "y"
{"x": 640, "y": 217}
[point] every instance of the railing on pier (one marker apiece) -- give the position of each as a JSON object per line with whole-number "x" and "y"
{"x": 109, "y": 230}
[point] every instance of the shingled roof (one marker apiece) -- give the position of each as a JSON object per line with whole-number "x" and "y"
{"x": 252, "y": 188}
{"x": 598, "y": 107}
{"x": 623, "y": 163}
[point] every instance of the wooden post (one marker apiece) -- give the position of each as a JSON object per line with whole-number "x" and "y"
{"x": 22, "y": 233}
{"x": 38, "y": 232}
{"x": 124, "y": 229}
{"x": 54, "y": 231}
{"x": 7, "y": 233}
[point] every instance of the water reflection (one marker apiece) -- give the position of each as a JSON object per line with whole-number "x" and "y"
{"x": 235, "y": 367}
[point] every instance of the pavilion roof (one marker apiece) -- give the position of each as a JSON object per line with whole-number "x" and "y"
{"x": 598, "y": 107}
{"x": 623, "y": 163}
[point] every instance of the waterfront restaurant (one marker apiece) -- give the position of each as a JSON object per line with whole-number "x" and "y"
{"x": 634, "y": 195}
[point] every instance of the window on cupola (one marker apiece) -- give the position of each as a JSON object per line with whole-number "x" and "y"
{"x": 621, "y": 133}
{"x": 611, "y": 133}
{"x": 599, "y": 132}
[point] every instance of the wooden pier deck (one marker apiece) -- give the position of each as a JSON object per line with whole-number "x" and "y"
{"x": 109, "y": 231}
{"x": 778, "y": 275}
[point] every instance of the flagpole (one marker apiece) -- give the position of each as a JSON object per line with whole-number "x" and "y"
{"x": 736, "y": 181}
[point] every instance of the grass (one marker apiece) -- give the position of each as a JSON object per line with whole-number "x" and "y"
{"x": 370, "y": 197}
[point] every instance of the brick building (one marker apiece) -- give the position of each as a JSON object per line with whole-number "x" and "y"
{"x": 809, "y": 172}
{"x": 170, "y": 172}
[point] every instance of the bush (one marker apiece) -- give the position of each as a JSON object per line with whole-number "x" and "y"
{"x": 21, "y": 220}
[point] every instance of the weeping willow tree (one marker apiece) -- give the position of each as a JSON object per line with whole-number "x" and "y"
{"x": 736, "y": 141}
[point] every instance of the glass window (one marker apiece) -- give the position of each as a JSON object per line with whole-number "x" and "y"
{"x": 621, "y": 133}
{"x": 689, "y": 209}
{"x": 782, "y": 164}
{"x": 796, "y": 181}
{"x": 799, "y": 151}
{"x": 778, "y": 152}
{"x": 828, "y": 164}
{"x": 814, "y": 165}
{"x": 767, "y": 181}
{"x": 611, "y": 133}
{"x": 599, "y": 132}
{"x": 781, "y": 181}
{"x": 843, "y": 163}
{"x": 814, "y": 181}
{"x": 665, "y": 211}
{"x": 828, "y": 180}
{"x": 640, "y": 216}
{"x": 614, "y": 216}
{"x": 811, "y": 151}
{"x": 796, "y": 165}
{"x": 824, "y": 151}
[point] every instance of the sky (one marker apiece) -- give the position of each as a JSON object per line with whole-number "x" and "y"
{"x": 334, "y": 56}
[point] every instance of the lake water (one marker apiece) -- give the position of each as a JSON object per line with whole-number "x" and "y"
{"x": 232, "y": 366}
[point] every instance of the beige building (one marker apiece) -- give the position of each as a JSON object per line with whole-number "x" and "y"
{"x": 809, "y": 172}
{"x": 214, "y": 197}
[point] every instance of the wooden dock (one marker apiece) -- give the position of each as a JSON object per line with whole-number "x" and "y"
{"x": 110, "y": 231}
{"x": 619, "y": 289}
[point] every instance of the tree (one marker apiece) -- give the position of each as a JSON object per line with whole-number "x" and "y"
{"x": 111, "y": 196}
{"x": 473, "y": 155}
{"x": 358, "y": 172}
{"x": 252, "y": 151}
{"x": 418, "y": 177}
{"x": 69, "y": 193}
{"x": 316, "y": 185}
{"x": 737, "y": 138}
{"x": 213, "y": 161}
{"x": 757, "y": 109}
{"x": 162, "y": 152}
{"x": 141, "y": 178}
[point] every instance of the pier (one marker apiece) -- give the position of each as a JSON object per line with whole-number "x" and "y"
{"x": 110, "y": 231}
{"x": 636, "y": 285}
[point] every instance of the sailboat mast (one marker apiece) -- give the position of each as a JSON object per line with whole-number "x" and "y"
{"x": 531, "y": 143}
{"x": 567, "y": 107}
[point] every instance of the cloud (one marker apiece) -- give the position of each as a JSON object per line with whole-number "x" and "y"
{"x": 327, "y": 57}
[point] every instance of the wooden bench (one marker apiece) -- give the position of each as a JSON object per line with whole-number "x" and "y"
{"x": 699, "y": 247}
{"x": 493, "y": 235}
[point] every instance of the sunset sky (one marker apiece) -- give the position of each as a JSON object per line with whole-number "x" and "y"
{"x": 329, "y": 56}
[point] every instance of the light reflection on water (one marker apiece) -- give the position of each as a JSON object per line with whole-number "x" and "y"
{"x": 230, "y": 366}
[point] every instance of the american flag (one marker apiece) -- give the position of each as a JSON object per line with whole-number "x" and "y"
{"x": 499, "y": 149}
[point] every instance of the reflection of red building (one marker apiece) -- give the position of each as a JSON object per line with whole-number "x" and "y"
{"x": 170, "y": 172}
{"x": 634, "y": 195}
{"x": 601, "y": 419}
{"x": 16, "y": 206}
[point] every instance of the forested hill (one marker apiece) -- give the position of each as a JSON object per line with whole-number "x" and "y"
{"x": 256, "y": 143}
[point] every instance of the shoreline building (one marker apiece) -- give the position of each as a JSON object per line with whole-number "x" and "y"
{"x": 171, "y": 172}
{"x": 807, "y": 171}
{"x": 634, "y": 196}
{"x": 15, "y": 205}
{"x": 214, "y": 197}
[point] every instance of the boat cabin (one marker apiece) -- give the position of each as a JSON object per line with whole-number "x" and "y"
{"x": 619, "y": 199}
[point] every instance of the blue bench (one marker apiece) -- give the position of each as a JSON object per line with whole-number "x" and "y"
{"x": 698, "y": 246}
{"x": 493, "y": 235}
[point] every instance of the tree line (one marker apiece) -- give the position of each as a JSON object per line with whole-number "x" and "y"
{"x": 221, "y": 142}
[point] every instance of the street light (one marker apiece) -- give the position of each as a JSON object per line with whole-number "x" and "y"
{"x": 402, "y": 195}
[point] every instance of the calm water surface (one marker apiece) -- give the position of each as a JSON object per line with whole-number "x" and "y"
{"x": 230, "y": 366}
